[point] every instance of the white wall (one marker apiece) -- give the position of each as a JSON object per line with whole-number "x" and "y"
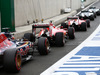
{"x": 38, "y": 9}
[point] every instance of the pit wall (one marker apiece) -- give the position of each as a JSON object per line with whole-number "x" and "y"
{"x": 30, "y": 10}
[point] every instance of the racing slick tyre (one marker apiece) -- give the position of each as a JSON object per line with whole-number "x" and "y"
{"x": 83, "y": 26}
{"x": 91, "y": 17}
{"x": 59, "y": 39}
{"x": 88, "y": 22}
{"x": 80, "y": 17}
{"x": 98, "y": 13}
{"x": 43, "y": 46}
{"x": 71, "y": 33}
{"x": 64, "y": 25}
{"x": 95, "y": 15}
{"x": 12, "y": 60}
{"x": 29, "y": 36}
{"x": 75, "y": 26}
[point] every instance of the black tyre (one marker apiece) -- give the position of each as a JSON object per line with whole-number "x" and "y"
{"x": 12, "y": 60}
{"x": 75, "y": 26}
{"x": 71, "y": 33}
{"x": 43, "y": 46}
{"x": 92, "y": 17}
{"x": 83, "y": 26}
{"x": 88, "y": 22}
{"x": 29, "y": 36}
{"x": 64, "y": 25}
{"x": 98, "y": 13}
{"x": 80, "y": 17}
{"x": 95, "y": 15}
{"x": 59, "y": 39}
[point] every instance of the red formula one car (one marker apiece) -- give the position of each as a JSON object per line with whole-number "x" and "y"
{"x": 56, "y": 36}
{"x": 14, "y": 52}
{"x": 77, "y": 23}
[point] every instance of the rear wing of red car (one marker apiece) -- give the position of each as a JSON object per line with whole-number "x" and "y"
{"x": 39, "y": 25}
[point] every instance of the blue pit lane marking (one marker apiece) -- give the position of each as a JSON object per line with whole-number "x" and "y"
{"x": 81, "y": 63}
{"x": 96, "y": 39}
{"x": 92, "y": 51}
{"x": 79, "y": 73}
{"x": 81, "y": 66}
{"x": 97, "y": 34}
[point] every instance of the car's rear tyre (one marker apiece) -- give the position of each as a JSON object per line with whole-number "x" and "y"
{"x": 92, "y": 17}
{"x": 59, "y": 39}
{"x": 43, "y": 46}
{"x": 88, "y": 22}
{"x": 64, "y": 25}
{"x": 71, "y": 33}
{"x": 75, "y": 26}
{"x": 83, "y": 26}
{"x": 95, "y": 15}
{"x": 29, "y": 37}
{"x": 80, "y": 17}
{"x": 12, "y": 60}
{"x": 98, "y": 13}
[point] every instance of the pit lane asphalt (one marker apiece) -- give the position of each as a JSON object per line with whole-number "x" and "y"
{"x": 40, "y": 63}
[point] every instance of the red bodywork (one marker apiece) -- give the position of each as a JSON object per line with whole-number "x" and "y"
{"x": 51, "y": 29}
{"x": 5, "y": 43}
{"x": 75, "y": 20}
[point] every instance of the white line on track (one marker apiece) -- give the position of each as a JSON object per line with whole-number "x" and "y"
{"x": 79, "y": 69}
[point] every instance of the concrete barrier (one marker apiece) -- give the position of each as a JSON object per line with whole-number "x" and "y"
{"x": 29, "y": 10}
